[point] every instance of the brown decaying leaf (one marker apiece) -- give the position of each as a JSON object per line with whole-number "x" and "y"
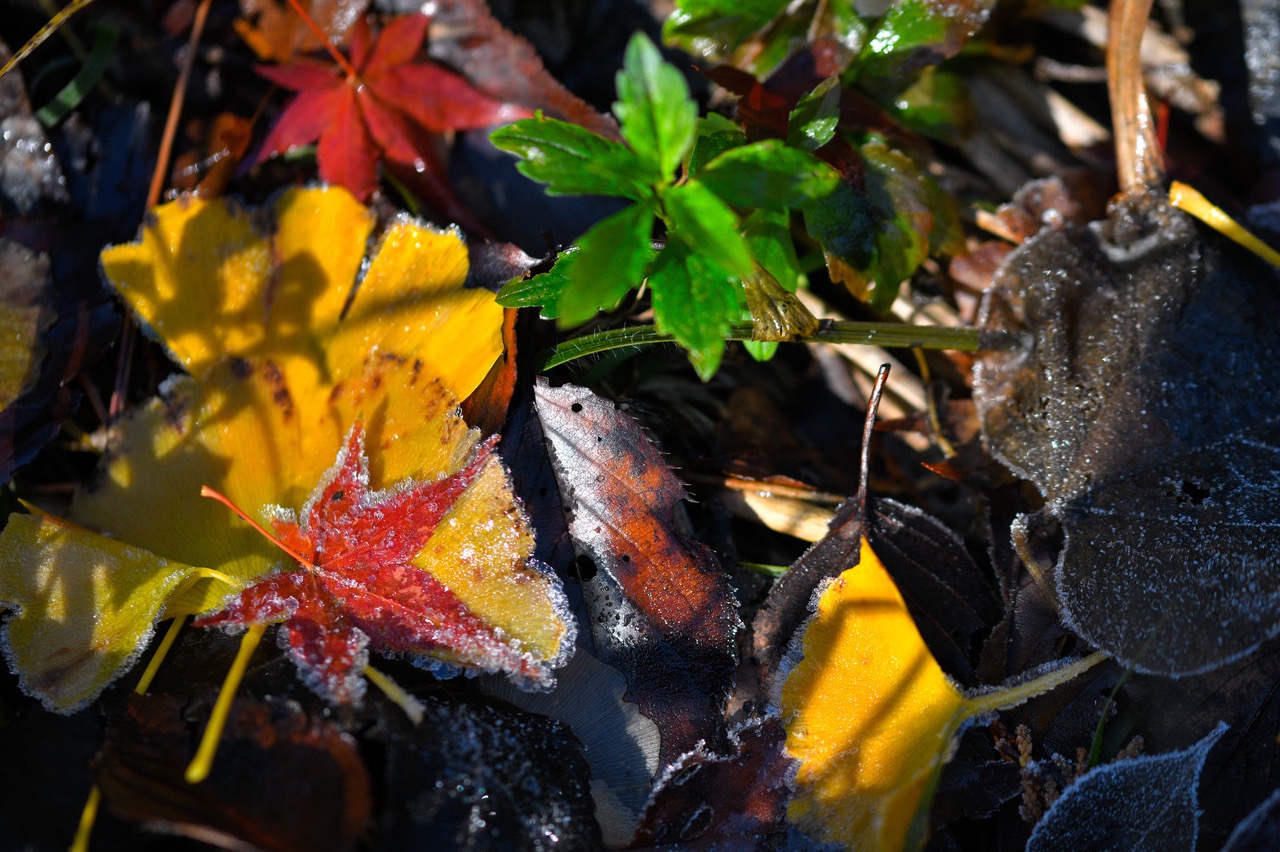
{"x": 1142, "y": 401}
{"x": 660, "y": 605}
{"x": 706, "y": 800}
{"x": 505, "y": 66}
{"x": 276, "y": 760}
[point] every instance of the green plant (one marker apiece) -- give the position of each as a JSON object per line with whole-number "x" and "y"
{"x": 709, "y": 226}
{"x": 723, "y": 204}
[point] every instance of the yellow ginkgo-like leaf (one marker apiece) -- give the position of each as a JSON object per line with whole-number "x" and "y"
{"x": 80, "y": 605}
{"x": 285, "y": 351}
{"x": 871, "y": 717}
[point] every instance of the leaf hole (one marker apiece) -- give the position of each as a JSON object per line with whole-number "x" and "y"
{"x": 697, "y": 823}
{"x": 584, "y": 568}
{"x": 1194, "y": 493}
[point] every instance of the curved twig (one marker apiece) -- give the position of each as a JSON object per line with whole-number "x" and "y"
{"x": 1139, "y": 161}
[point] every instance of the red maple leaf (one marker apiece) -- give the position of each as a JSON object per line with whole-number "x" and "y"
{"x": 387, "y": 106}
{"x": 356, "y": 587}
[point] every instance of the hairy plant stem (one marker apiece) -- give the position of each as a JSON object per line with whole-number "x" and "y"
{"x": 829, "y": 331}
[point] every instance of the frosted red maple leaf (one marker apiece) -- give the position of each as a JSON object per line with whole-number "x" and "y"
{"x": 357, "y": 587}
{"x": 387, "y": 106}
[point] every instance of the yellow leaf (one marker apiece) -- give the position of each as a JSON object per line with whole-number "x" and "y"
{"x": 204, "y": 279}
{"x": 88, "y": 608}
{"x": 24, "y": 317}
{"x": 286, "y": 351}
{"x": 869, "y": 714}
{"x": 871, "y": 717}
{"x": 471, "y": 566}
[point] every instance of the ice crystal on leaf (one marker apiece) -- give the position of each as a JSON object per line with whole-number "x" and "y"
{"x": 360, "y": 584}
{"x": 282, "y": 354}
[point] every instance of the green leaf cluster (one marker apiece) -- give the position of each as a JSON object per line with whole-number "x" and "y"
{"x": 894, "y": 56}
{"x": 721, "y": 204}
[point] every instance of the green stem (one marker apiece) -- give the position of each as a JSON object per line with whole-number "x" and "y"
{"x": 1004, "y": 698}
{"x": 830, "y": 331}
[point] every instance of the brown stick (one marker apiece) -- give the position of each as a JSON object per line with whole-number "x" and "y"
{"x": 1139, "y": 162}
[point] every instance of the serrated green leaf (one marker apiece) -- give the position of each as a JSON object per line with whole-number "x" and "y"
{"x": 696, "y": 301}
{"x": 841, "y": 222}
{"x": 712, "y": 145}
{"x": 937, "y": 105}
{"x": 914, "y": 34}
{"x": 697, "y": 215}
{"x": 768, "y": 174}
{"x": 768, "y": 235}
{"x": 612, "y": 259}
{"x": 898, "y": 192}
{"x": 572, "y": 160}
{"x": 657, "y": 116}
{"x": 813, "y": 122}
{"x": 541, "y": 290}
{"x": 714, "y": 122}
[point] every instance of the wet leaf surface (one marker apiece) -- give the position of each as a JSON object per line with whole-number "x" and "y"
{"x": 367, "y": 579}
{"x": 1140, "y": 402}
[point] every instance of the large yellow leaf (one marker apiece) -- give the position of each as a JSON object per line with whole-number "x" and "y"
{"x": 872, "y": 718}
{"x": 81, "y": 603}
{"x": 285, "y": 353}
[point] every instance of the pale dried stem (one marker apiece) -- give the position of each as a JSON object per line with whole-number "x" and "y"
{"x": 1139, "y": 163}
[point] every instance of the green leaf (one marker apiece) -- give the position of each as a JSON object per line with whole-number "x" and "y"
{"x": 937, "y": 105}
{"x": 698, "y": 216}
{"x": 710, "y": 146}
{"x": 695, "y": 301}
{"x": 541, "y": 290}
{"x": 657, "y": 115}
{"x": 813, "y": 122}
{"x": 572, "y": 160}
{"x": 914, "y": 34}
{"x": 768, "y": 174}
{"x": 899, "y": 193}
{"x": 715, "y": 29}
{"x": 875, "y": 239}
{"x": 611, "y": 260}
{"x": 93, "y": 70}
{"x": 760, "y": 350}
{"x": 768, "y": 235}
{"x": 841, "y": 223}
